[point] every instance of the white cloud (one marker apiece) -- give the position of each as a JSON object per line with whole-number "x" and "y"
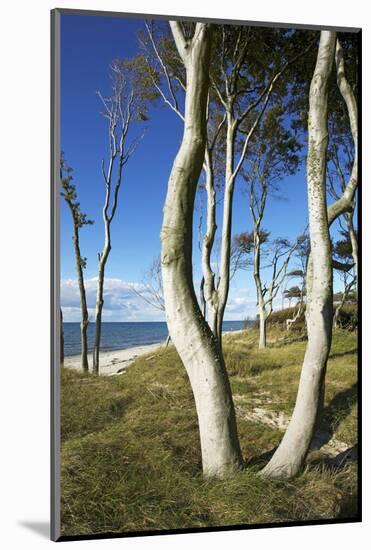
{"x": 241, "y": 304}
{"x": 120, "y": 302}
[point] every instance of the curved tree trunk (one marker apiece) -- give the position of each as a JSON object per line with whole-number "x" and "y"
{"x": 209, "y": 291}
{"x": 290, "y": 455}
{"x": 189, "y": 331}
{"x": 345, "y": 203}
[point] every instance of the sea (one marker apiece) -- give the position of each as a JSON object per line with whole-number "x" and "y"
{"x": 125, "y": 335}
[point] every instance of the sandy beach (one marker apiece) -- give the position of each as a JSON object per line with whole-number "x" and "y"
{"x": 116, "y": 361}
{"x": 113, "y": 362}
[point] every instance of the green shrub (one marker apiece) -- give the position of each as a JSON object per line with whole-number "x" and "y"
{"x": 347, "y": 318}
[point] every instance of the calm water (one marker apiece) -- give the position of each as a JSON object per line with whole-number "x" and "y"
{"x": 124, "y": 335}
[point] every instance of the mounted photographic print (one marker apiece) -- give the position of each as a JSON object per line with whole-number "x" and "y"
{"x": 205, "y": 274}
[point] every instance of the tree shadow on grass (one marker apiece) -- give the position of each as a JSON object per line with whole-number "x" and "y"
{"x": 292, "y": 339}
{"x": 338, "y": 462}
{"x": 343, "y": 354}
{"x": 337, "y": 409}
{"x": 260, "y": 460}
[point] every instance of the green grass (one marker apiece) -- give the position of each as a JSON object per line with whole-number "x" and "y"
{"x": 131, "y": 455}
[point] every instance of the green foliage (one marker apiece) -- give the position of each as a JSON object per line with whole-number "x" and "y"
{"x": 130, "y": 445}
{"x": 342, "y": 249}
{"x": 279, "y": 317}
{"x": 244, "y": 242}
{"x": 69, "y": 194}
{"x": 293, "y": 292}
{"x": 348, "y": 317}
{"x": 132, "y": 76}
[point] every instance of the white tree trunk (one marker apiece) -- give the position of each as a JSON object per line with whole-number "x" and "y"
{"x": 225, "y": 259}
{"x": 210, "y": 292}
{"x": 291, "y": 453}
{"x": 189, "y": 332}
{"x": 262, "y": 329}
{"x": 100, "y": 297}
{"x": 353, "y": 240}
{"x": 259, "y": 289}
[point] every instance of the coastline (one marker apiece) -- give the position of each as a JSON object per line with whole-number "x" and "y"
{"x": 115, "y": 361}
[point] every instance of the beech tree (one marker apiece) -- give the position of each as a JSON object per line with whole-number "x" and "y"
{"x": 277, "y": 255}
{"x": 197, "y": 346}
{"x": 79, "y": 220}
{"x": 291, "y": 453}
{"x": 121, "y": 109}
{"x": 242, "y": 87}
{"x": 273, "y": 155}
{"x": 301, "y": 255}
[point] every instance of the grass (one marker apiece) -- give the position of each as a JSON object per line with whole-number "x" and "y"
{"x": 131, "y": 456}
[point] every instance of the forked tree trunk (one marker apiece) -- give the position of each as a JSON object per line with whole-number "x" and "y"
{"x": 291, "y": 453}
{"x": 210, "y": 292}
{"x": 192, "y": 337}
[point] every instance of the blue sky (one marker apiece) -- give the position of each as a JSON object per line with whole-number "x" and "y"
{"x": 89, "y": 44}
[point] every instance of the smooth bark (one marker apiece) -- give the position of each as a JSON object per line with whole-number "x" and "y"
{"x": 353, "y": 240}
{"x": 193, "y": 339}
{"x": 291, "y": 453}
{"x": 262, "y": 329}
{"x": 100, "y": 303}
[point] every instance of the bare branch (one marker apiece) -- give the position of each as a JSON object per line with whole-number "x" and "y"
{"x": 344, "y": 203}
{"x": 174, "y": 103}
{"x": 181, "y": 42}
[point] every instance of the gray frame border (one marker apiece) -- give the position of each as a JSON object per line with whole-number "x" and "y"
{"x": 55, "y": 350}
{"x": 55, "y": 103}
